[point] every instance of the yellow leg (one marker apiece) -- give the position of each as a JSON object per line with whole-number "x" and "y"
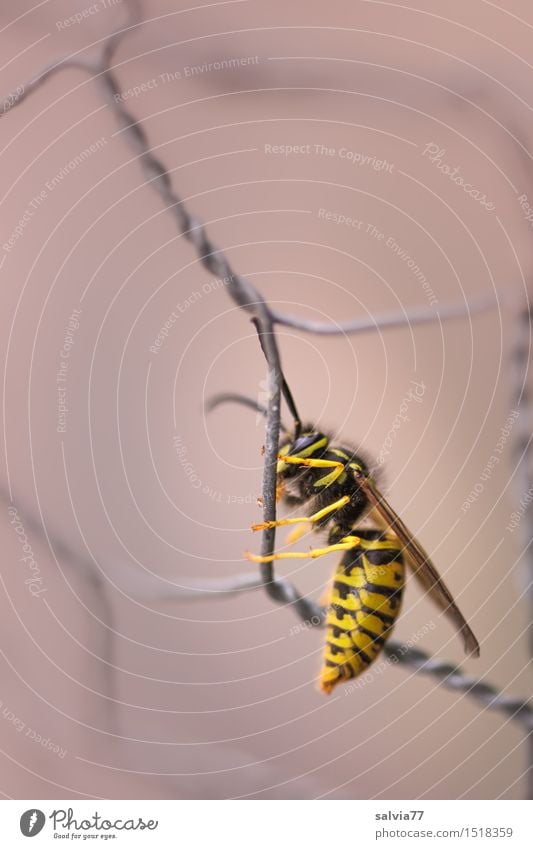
{"x": 345, "y": 545}
{"x": 295, "y": 534}
{"x": 315, "y": 517}
{"x": 308, "y": 461}
{"x": 327, "y": 480}
{"x": 327, "y": 595}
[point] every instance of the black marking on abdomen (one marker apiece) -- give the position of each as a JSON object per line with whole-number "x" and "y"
{"x": 385, "y": 618}
{"x": 376, "y": 638}
{"x": 379, "y": 589}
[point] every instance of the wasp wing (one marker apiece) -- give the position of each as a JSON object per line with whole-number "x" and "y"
{"x": 420, "y": 562}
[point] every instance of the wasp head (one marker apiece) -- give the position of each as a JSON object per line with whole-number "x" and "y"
{"x": 310, "y": 443}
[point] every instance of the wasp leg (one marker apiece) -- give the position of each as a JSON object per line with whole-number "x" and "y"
{"x": 344, "y": 545}
{"x": 326, "y": 597}
{"x": 327, "y": 480}
{"x": 295, "y": 534}
{"x": 315, "y": 517}
{"x": 308, "y": 461}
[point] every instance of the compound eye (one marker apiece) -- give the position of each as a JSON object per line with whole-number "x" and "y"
{"x": 308, "y": 441}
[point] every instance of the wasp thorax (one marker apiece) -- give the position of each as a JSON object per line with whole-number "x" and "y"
{"x": 310, "y": 444}
{"x": 352, "y": 460}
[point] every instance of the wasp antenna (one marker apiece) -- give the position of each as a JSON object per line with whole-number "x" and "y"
{"x": 236, "y": 398}
{"x": 233, "y": 398}
{"x": 287, "y": 394}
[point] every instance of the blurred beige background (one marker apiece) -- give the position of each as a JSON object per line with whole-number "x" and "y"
{"x": 110, "y": 686}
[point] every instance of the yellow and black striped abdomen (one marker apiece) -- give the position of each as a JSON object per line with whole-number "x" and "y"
{"x": 363, "y": 606}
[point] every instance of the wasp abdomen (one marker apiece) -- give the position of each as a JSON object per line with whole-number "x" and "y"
{"x": 366, "y": 599}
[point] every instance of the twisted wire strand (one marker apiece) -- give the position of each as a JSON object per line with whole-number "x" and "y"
{"x": 522, "y": 445}
{"x": 522, "y": 450}
{"x": 243, "y": 293}
{"x": 311, "y": 614}
{"x": 63, "y": 551}
{"x": 241, "y": 290}
{"x": 519, "y": 369}
{"x": 246, "y": 296}
{"x": 451, "y": 677}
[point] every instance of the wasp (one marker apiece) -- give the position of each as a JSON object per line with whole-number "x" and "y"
{"x": 338, "y": 494}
